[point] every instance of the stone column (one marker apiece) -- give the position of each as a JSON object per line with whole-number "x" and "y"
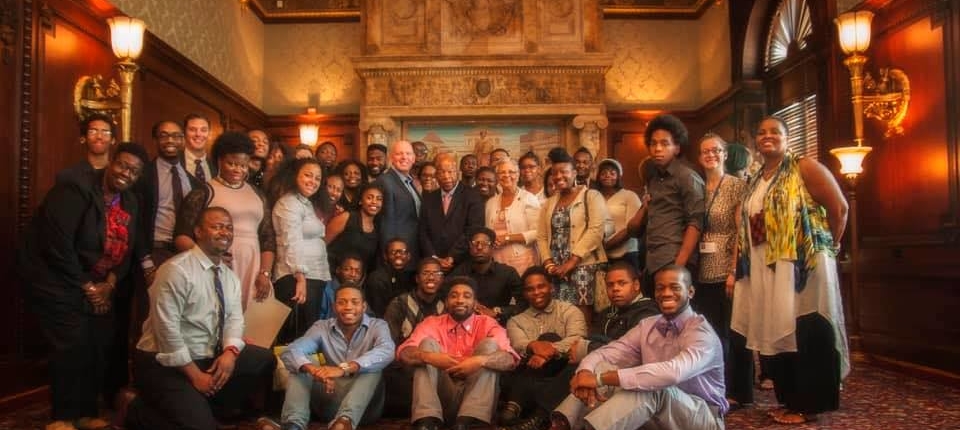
{"x": 590, "y": 126}
{"x": 378, "y": 130}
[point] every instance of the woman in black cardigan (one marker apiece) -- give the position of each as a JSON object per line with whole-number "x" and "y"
{"x": 78, "y": 245}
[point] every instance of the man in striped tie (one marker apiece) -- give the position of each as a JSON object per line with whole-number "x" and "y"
{"x": 191, "y": 365}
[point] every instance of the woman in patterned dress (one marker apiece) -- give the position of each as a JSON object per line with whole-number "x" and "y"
{"x": 570, "y": 235}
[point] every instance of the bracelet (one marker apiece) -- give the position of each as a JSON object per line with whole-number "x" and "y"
{"x": 600, "y": 383}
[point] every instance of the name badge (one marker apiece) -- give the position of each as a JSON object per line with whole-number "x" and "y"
{"x": 708, "y": 247}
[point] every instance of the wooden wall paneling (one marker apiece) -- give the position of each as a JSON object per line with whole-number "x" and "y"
{"x": 342, "y": 130}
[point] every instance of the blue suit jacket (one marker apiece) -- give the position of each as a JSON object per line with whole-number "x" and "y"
{"x": 399, "y": 217}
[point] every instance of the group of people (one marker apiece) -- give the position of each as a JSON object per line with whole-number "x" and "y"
{"x": 431, "y": 278}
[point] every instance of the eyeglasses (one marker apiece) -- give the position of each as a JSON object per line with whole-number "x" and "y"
{"x": 171, "y": 136}
{"x": 96, "y": 131}
{"x": 714, "y": 151}
{"x": 480, "y": 243}
{"x": 432, "y": 274}
{"x": 398, "y": 252}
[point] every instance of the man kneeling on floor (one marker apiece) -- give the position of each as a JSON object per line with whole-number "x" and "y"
{"x": 456, "y": 358}
{"x": 665, "y": 373}
{"x": 356, "y": 347}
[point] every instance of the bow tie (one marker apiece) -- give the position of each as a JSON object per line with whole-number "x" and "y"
{"x": 665, "y": 326}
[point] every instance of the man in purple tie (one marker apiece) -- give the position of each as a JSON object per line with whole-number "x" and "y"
{"x": 668, "y": 369}
{"x": 191, "y": 363}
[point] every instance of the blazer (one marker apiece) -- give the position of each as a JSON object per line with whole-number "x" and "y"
{"x": 65, "y": 239}
{"x": 445, "y": 235}
{"x": 148, "y": 193}
{"x": 399, "y": 217}
{"x": 586, "y": 229}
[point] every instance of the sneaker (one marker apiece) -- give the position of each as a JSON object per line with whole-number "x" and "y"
{"x": 264, "y": 423}
{"x": 509, "y": 414}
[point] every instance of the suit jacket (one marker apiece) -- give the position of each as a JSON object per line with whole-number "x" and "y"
{"x": 446, "y": 235}
{"x": 65, "y": 239}
{"x": 214, "y": 168}
{"x": 399, "y": 217}
{"x": 148, "y": 193}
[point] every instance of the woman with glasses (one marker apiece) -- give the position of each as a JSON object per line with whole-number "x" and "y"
{"x": 252, "y": 252}
{"x": 570, "y": 235}
{"x": 718, "y": 263}
{"x": 513, "y": 216}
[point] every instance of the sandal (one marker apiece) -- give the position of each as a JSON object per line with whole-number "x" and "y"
{"x": 790, "y": 417}
{"x": 776, "y": 412}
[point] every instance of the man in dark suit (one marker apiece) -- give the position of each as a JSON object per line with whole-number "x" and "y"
{"x": 401, "y": 203}
{"x": 447, "y": 214}
{"x": 195, "y": 157}
{"x": 159, "y": 195}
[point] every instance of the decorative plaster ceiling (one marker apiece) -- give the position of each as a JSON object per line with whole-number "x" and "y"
{"x": 306, "y": 11}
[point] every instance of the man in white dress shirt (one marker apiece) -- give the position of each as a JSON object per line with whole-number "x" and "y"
{"x": 191, "y": 363}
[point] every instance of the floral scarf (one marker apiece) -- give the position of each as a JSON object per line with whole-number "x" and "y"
{"x": 115, "y": 244}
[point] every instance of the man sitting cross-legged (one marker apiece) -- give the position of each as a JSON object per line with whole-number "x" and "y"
{"x": 665, "y": 373}
{"x": 543, "y": 333}
{"x": 357, "y": 348}
{"x": 404, "y": 313}
{"x": 627, "y": 307}
{"x": 456, "y": 358}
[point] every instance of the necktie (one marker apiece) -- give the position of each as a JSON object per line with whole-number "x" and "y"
{"x": 446, "y": 202}
{"x": 202, "y": 177}
{"x": 665, "y": 326}
{"x": 177, "y": 186}
{"x": 413, "y": 193}
{"x": 218, "y": 287}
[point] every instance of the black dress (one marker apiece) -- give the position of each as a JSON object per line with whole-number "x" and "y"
{"x": 353, "y": 240}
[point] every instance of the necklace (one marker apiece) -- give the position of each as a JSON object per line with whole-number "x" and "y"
{"x": 229, "y": 185}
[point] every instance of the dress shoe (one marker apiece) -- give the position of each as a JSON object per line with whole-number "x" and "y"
{"x": 60, "y": 425}
{"x": 91, "y": 423}
{"x": 427, "y": 423}
{"x": 342, "y": 423}
{"x": 509, "y": 414}
{"x": 558, "y": 421}
{"x": 465, "y": 423}
{"x": 121, "y": 404}
{"x": 540, "y": 420}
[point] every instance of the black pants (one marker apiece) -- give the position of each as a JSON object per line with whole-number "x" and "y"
{"x": 808, "y": 381}
{"x": 528, "y": 384}
{"x": 80, "y": 341}
{"x": 304, "y": 315}
{"x": 711, "y": 300}
{"x": 167, "y": 399}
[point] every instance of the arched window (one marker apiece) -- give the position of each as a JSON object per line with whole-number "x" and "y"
{"x": 789, "y": 29}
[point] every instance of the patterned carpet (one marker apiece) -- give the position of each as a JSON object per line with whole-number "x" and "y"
{"x": 872, "y": 399}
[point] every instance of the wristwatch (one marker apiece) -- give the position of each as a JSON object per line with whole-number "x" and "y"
{"x": 345, "y": 367}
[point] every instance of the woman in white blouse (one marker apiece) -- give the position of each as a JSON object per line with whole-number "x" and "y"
{"x": 623, "y": 206}
{"x": 513, "y": 215}
{"x": 301, "y": 265}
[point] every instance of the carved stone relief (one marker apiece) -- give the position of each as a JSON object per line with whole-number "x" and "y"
{"x": 530, "y": 87}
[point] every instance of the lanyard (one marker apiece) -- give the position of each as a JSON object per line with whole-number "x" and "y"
{"x": 706, "y": 214}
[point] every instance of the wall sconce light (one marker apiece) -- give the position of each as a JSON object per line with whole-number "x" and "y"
{"x": 309, "y": 130}
{"x": 889, "y": 95}
{"x": 89, "y": 94}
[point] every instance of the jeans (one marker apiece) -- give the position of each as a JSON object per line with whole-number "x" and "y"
{"x": 350, "y": 399}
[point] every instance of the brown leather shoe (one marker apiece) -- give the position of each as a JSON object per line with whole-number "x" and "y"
{"x": 120, "y": 405}
{"x": 342, "y": 423}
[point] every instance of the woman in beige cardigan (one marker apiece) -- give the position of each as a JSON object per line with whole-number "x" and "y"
{"x": 513, "y": 215}
{"x": 570, "y": 235}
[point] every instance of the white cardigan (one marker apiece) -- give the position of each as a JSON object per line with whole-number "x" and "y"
{"x": 521, "y": 217}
